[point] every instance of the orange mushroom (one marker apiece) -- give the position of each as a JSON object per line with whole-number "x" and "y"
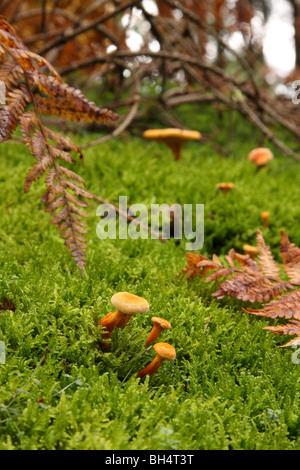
{"x": 164, "y": 351}
{"x": 225, "y": 187}
{"x": 265, "y": 217}
{"x": 127, "y": 305}
{"x": 159, "y": 324}
{"x": 174, "y": 138}
{"x": 250, "y": 250}
{"x": 260, "y": 156}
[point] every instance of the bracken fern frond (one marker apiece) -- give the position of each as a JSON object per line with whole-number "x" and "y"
{"x": 23, "y": 73}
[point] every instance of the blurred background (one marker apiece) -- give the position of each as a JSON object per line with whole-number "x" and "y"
{"x": 148, "y": 59}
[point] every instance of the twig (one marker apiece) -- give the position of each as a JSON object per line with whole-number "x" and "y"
{"x": 121, "y": 128}
{"x": 211, "y": 31}
{"x": 74, "y": 32}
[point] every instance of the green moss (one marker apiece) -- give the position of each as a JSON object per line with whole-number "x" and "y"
{"x": 230, "y": 386}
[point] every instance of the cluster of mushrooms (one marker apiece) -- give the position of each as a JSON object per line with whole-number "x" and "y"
{"x": 127, "y": 305}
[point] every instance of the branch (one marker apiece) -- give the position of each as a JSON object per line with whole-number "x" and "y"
{"x": 73, "y": 32}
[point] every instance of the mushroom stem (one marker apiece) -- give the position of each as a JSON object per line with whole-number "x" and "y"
{"x": 163, "y": 351}
{"x": 154, "y": 334}
{"x": 152, "y": 367}
{"x": 265, "y": 218}
{"x": 176, "y": 149}
{"x": 159, "y": 324}
{"x": 113, "y": 319}
{"x": 127, "y": 305}
{"x": 225, "y": 187}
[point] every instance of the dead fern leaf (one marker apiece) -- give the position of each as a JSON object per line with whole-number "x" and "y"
{"x": 292, "y": 328}
{"x": 22, "y": 72}
{"x": 291, "y": 259}
{"x": 11, "y": 112}
{"x": 266, "y": 261}
{"x": 252, "y": 289}
{"x": 249, "y": 280}
{"x": 194, "y": 267}
{"x": 286, "y": 306}
{"x": 258, "y": 280}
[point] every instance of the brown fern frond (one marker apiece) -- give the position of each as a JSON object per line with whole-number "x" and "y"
{"x": 290, "y": 255}
{"x": 59, "y": 153}
{"x": 221, "y": 272}
{"x": 10, "y": 76}
{"x": 68, "y": 225}
{"x": 249, "y": 281}
{"x": 36, "y": 171}
{"x": 74, "y": 110}
{"x": 246, "y": 263}
{"x": 11, "y": 112}
{"x": 31, "y": 62}
{"x": 267, "y": 264}
{"x": 244, "y": 279}
{"x": 28, "y": 124}
{"x": 8, "y": 36}
{"x": 286, "y": 306}
{"x": 23, "y": 72}
{"x": 62, "y": 142}
{"x": 292, "y": 329}
{"x": 73, "y": 176}
{"x": 46, "y": 155}
{"x": 251, "y": 288}
{"x": 193, "y": 267}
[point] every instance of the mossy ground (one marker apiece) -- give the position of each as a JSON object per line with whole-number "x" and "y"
{"x": 230, "y": 387}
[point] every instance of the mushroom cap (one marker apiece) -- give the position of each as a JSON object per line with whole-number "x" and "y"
{"x": 129, "y": 303}
{"x": 225, "y": 185}
{"x": 249, "y": 249}
{"x": 171, "y": 135}
{"x": 164, "y": 324}
{"x": 165, "y": 351}
{"x": 260, "y": 156}
{"x": 265, "y": 215}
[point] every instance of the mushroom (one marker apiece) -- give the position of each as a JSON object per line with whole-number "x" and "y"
{"x": 159, "y": 324}
{"x": 265, "y": 217}
{"x": 174, "y": 138}
{"x": 164, "y": 351}
{"x": 260, "y": 156}
{"x": 225, "y": 187}
{"x": 127, "y": 305}
{"x": 250, "y": 250}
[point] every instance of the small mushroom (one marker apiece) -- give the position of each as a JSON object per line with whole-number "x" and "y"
{"x": 164, "y": 351}
{"x": 225, "y": 187}
{"x": 260, "y": 156}
{"x": 173, "y": 138}
{"x": 250, "y": 250}
{"x": 127, "y": 305}
{"x": 265, "y": 217}
{"x": 159, "y": 324}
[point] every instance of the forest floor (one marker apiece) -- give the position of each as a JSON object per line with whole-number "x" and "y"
{"x": 230, "y": 387}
